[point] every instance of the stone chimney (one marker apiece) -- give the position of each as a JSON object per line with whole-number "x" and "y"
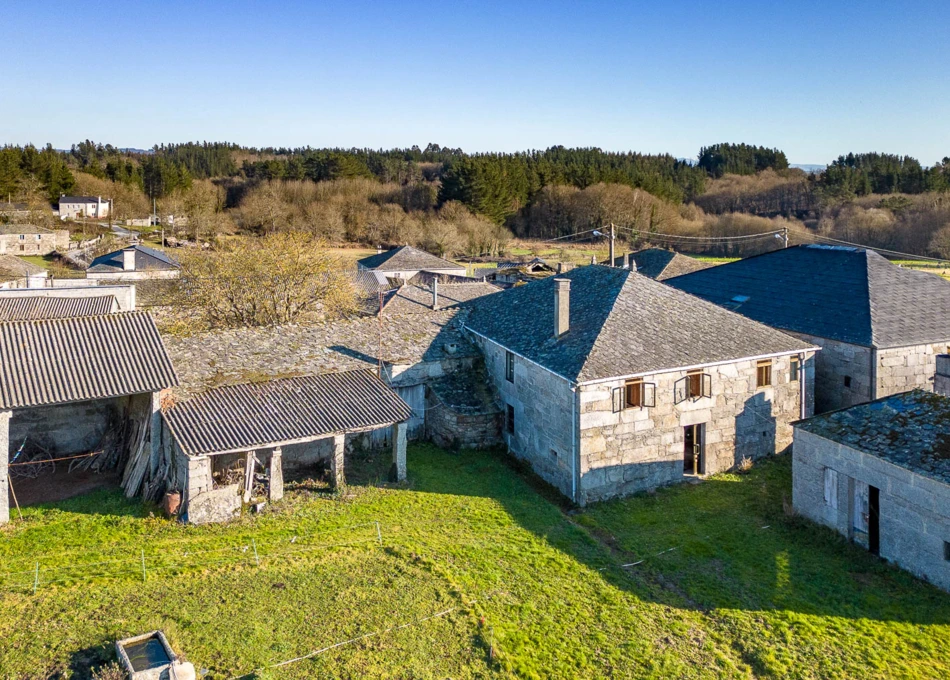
{"x": 562, "y": 306}
{"x": 128, "y": 259}
{"x": 379, "y": 249}
{"x": 629, "y": 262}
{"x": 435, "y": 292}
{"x": 593, "y": 259}
{"x": 942, "y": 378}
{"x": 564, "y": 267}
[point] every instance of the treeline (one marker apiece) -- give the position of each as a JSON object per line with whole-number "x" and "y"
{"x": 879, "y": 173}
{"x": 26, "y": 173}
{"x": 740, "y": 159}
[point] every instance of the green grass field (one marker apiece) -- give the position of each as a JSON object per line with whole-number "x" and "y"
{"x": 486, "y": 574}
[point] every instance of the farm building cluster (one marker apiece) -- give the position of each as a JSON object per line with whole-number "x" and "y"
{"x": 607, "y": 379}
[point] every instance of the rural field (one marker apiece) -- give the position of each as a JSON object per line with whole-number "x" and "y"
{"x": 469, "y": 570}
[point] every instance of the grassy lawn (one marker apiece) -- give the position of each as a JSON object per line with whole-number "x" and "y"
{"x": 492, "y": 577}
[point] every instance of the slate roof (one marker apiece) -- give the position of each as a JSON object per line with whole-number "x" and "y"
{"x": 418, "y": 299}
{"x": 55, "y": 361}
{"x": 425, "y": 278}
{"x": 911, "y": 430}
{"x": 661, "y": 264}
{"x": 406, "y": 258}
{"x": 34, "y": 307}
{"x": 13, "y": 229}
{"x": 621, "y": 324}
{"x": 145, "y": 259}
{"x": 80, "y": 199}
{"x": 847, "y": 294}
{"x": 13, "y": 266}
{"x": 242, "y": 417}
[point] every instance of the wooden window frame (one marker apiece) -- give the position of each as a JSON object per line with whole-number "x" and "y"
{"x": 794, "y": 369}
{"x": 509, "y": 366}
{"x": 637, "y": 393}
{"x": 694, "y": 385}
{"x": 763, "y": 373}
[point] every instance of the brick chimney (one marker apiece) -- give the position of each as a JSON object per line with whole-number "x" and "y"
{"x": 942, "y": 378}
{"x": 562, "y": 306}
{"x": 128, "y": 259}
{"x": 435, "y": 292}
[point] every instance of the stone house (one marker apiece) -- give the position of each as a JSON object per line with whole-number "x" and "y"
{"x": 880, "y": 326}
{"x": 658, "y": 263}
{"x": 405, "y": 262}
{"x": 27, "y": 239}
{"x": 92, "y": 207}
{"x": 879, "y": 474}
{"x": 612, "y": 383}
{"x": 65, "y": 383}
{"x": 134, "y": 263}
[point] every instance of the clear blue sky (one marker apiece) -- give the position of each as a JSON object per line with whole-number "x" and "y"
{"x": 815, "y": 79}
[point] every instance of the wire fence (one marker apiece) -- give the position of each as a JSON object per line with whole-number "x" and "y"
{"x": 169, "y": 557}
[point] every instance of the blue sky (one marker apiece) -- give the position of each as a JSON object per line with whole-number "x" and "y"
{"x": 815, "y": 79}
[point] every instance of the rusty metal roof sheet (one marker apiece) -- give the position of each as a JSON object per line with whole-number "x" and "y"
{"x": 258, "y": 415}
{"x": 54, "y": 361}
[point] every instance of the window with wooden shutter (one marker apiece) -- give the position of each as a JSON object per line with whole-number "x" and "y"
{"x": 763, "y": 373}
{"x": 633, "y": 393}
{"x": 695, "y": 379}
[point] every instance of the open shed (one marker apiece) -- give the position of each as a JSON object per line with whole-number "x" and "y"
{"x": 78, "y": 386}
{"x": 292, "y": 421}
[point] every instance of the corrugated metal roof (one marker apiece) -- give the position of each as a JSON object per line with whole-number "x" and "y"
{"x": 55, "y": 361}
{"x": 35, "y": 307}
{"x": 255, "y": 415}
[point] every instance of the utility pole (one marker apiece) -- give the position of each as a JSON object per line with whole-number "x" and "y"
{"x": 611, "y": 244}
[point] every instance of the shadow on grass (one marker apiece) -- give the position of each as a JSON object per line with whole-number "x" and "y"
{"x": 724, "y": 544}
{"x": 106, "y": 501}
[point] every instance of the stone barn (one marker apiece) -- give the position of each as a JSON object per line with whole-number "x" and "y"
{"x": 879, "y": 474}
{"x": 68, "y": 384}
{"x": 880, "y": 326}
{"x": 213, "y": 441}
{"x": 611, "y": 383}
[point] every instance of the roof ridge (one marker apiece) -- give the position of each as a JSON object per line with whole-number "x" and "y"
{"x": 603, "y": 326}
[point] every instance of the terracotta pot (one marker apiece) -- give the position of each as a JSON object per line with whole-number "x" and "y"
{"x": 172, "y": 503}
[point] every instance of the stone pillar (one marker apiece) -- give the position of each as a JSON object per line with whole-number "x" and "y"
{"x": 399, "y": 451}
{"x": 4, "y": 463}
{"x": 275, "y": 487}
{"x": 337, "y": 475}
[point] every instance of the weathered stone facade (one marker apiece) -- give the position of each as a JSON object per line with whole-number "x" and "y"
{"x": 900, "y": 369}
{"x": 452, "y": 427}
{"x": 624, "y": 450}
{"x": 914, "y": 526}
{"x": 30, "y": 240}
{"x": 847, "y": 374}
{"x": 582, "y": 440}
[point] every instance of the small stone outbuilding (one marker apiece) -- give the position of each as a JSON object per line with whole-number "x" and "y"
{"x": 879, "y": 474}
{"x": 135, "y": 263}
{"x": 405, "y": 262}
{"x": 279, "y": 423}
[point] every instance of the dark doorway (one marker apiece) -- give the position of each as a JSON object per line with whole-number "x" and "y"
{"x": 874, "y": 520}
{"x": 693, "y": 462}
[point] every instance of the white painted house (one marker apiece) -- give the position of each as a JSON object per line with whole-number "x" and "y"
{"x": 93, "y": 207}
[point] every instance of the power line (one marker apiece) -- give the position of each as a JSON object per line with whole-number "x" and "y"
{"x": 911, "y": 256}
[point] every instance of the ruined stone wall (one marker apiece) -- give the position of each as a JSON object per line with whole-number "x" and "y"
{"x": 913, "y": 520}
{"x": 624, "y": 450}
{"x": 451, "y": 429}
{"x": 836, "y": 362}
{"x": 901, "y": 369}
{"x": 544, "y": 411}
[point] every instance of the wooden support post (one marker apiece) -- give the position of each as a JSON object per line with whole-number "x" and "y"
{"x": 275, "y": 488}
{"x": 337, "y": 475}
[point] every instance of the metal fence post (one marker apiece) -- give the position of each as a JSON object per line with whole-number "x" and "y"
{"x": 379, "y": 534}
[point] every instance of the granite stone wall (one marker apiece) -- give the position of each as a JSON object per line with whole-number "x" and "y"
{"x": 901, "y": 369}
{"x": 454, "y": 429}
{"x": 545, "y": 415}
{"x": 914, "y": 525}
{"x": 625, "y": 450}
{"x": 833, "y": 364}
